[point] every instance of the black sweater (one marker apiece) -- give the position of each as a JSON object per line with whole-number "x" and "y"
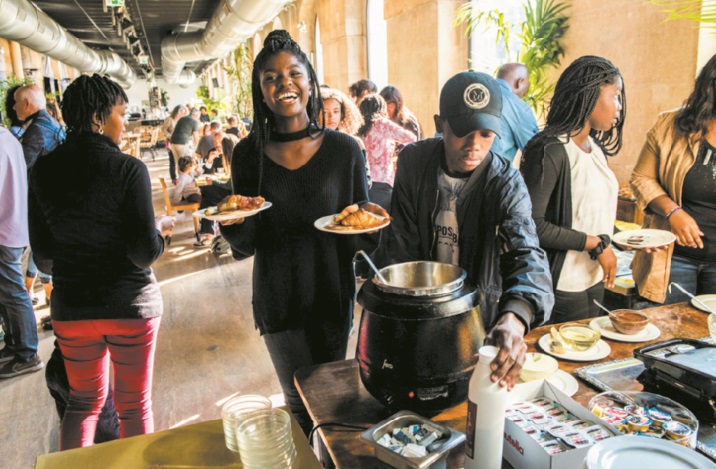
{"x": 545, "y": 168}
{"x": 92, "y": 226}
{"x": 302, "y": 276}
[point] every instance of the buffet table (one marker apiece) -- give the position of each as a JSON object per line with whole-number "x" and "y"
{"x": 199, "y": 445}
{"x": 333, "y": 392}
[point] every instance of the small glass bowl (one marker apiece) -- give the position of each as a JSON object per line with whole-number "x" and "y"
{"x": 579, "y": 337}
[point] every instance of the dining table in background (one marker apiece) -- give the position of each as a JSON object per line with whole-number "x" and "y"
{"x": 333, "y": 392}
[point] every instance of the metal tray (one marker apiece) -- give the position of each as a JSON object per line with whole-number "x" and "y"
{"x": 620, "y": 375}
{"x": 404, "y": 418}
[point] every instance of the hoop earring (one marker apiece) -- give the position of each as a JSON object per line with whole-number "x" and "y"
{"x": 101, "y": 131}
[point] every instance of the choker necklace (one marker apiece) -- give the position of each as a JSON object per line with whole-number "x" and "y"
{"x": 290, "y": 137}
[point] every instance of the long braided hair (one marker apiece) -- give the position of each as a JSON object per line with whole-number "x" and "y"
{"x": 278, "y": 41}
{"x": 700, "y": 108}
{"x": 372, "y": 108}
{"x": 87, "y": 97}
{"x": 575, "y": 97}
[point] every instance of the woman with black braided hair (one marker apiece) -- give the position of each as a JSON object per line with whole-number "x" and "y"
{"x": 303, "y": 279}
{"x": 573, "y": 190}
{"x": 99, "y": 238}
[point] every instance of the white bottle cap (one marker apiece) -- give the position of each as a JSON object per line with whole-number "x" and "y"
{"x": 487, "y": 353}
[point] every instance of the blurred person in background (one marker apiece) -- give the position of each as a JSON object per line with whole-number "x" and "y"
{"x": 361, "y": 89}
{"x": 170, "y": 122}
{"x": 237, "y": 127}
{"x": 399, "y": 113}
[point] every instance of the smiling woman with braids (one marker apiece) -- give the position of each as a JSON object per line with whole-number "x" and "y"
{"x": 303, "y": 278}
{"x": 573, "y": 191}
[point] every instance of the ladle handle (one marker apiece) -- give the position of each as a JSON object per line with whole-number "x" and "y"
{"x": 696, "y": 300}
{"x": 372, "y": 266}
{"x": 603, "y": 307}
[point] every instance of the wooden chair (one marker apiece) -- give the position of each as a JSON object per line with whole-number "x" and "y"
{"x": 191, "y": 208}
{"x": 148, "y": 140}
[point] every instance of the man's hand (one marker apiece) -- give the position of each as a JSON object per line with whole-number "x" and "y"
{"x": 608, "y": 261}
{"x": 508, "y": 337}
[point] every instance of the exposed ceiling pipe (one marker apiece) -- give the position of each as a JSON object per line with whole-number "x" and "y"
{"x": 234, "y": 21}
{"x": 23, "y": 22}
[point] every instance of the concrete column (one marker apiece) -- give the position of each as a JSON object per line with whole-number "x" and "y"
{"x": 343, "y": 38}
{"x": 424, "y": 50}
{"x": 16, "y": 56}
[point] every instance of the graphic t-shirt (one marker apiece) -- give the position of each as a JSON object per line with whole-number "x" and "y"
{"x": 447, "y": 248}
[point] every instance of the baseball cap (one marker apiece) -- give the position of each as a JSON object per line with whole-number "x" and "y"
{"x": 472, "y": 101}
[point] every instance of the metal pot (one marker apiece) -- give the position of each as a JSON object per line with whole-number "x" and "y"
{"x": 418, "y": 334}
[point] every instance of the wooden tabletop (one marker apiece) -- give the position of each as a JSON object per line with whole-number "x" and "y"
{"x": 333, "y": 392}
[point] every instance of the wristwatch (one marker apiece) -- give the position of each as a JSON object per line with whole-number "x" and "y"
{"x": 604, "y": 243}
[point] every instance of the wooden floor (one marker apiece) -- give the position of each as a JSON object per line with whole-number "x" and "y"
{"x": 207, "y": 349}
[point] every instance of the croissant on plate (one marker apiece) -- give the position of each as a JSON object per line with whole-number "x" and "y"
{"x": 240, "y": 202}
{"x": 363, "y": 219}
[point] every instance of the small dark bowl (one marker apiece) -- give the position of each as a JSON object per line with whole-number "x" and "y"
{"x": 628, "y": 321}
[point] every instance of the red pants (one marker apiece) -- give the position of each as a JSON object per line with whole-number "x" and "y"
{"x": 88, "y": 346}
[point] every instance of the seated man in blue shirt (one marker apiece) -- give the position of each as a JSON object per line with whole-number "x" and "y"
{"x": 518, "y": 122}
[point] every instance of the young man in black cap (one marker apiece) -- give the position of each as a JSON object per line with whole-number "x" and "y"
{"x": 455, "y": 201}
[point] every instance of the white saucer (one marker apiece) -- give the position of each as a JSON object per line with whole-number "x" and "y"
{"x": 631, "y": 451}
{"x": 709, "y": 300}
{"x": 650, "y": 238}
{"x": 599, "y": 351}
{"x": 565, "y": 382}
{"x": 323, "y": 222}
{"x": 605, "y": 327}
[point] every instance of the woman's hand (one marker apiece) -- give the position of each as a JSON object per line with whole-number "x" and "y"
{"x": 686, "y": 229}
{"x": 236, "y": 221}
{"x": 164, "y": 224}
{"x": 375, "y": 209}
{"x": 608, "y": 261}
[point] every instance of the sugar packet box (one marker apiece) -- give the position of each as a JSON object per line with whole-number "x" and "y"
{"x": 523, "y": 452}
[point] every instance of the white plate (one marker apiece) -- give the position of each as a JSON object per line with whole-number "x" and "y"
{"x": 599, "y": 351}
{"x": 605, "y": 327}
{"x": 709, "y": 300}
{"x": 232, "y": 215}
{"x": 322, "y": 222}
{"x": 629, "y": 451}
{"x": 652, "y": 238}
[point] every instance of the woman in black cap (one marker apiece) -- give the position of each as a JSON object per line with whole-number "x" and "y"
{"x": 573, "y": 190}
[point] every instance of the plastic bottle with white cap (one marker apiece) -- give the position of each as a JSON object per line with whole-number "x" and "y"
{"x": 486, "y": 403}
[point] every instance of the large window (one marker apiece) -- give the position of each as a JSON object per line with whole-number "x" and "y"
{"x": 377, "y": 43}
{"x": 319, "y": 52}
{"x": 485, "y": 53}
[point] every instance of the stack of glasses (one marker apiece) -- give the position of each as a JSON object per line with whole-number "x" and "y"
{"x": 265, "y": 440}
{"x": 236, "y": 410}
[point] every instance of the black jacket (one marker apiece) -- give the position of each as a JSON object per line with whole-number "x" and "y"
{"x": 545, "y": 168}
{"x": 499, "y": 248}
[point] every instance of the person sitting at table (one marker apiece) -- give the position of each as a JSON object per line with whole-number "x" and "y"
{"x": 455, "y": 201}
{"x": 99, "y": 240}
{"x": 187, "y": 189}
{"x": 573, "y": 190}
{"x": 237, "y": 127}
{"x": 674, "y": 184}
{"x": 304, "y": 286}
{"x": 206, "y": 143}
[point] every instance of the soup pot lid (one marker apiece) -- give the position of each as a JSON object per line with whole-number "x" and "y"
{"x": 421, "y": 278}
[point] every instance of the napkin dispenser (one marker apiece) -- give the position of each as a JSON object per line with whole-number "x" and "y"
{"x": 684, "y": 369}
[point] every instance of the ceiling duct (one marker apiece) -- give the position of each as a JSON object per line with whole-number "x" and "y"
{"x": 23, "y": 22}
{"x": 233, "y": 22}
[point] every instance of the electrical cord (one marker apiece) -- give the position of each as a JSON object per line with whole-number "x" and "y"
{"x": 334, "y": 424}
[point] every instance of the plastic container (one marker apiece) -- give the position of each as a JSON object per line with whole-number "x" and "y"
{"x": 486, "y": 403}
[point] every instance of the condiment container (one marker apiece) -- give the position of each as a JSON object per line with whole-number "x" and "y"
{"x": 486, "y": 403}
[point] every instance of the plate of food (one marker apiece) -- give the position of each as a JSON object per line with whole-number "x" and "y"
{"x": 643, "y": 239}
{"x": 233, "y": 207}
{"x": 352, "y": 220}
{"x": 606, "y": 328}
{"x": 600, "y": 350}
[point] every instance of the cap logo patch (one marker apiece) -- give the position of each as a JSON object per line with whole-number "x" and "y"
{"x": 476, "y": 96}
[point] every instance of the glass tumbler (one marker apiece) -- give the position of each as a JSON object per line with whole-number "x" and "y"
{"x": 237, "y": 409}
{"x": 265, "y": 440}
